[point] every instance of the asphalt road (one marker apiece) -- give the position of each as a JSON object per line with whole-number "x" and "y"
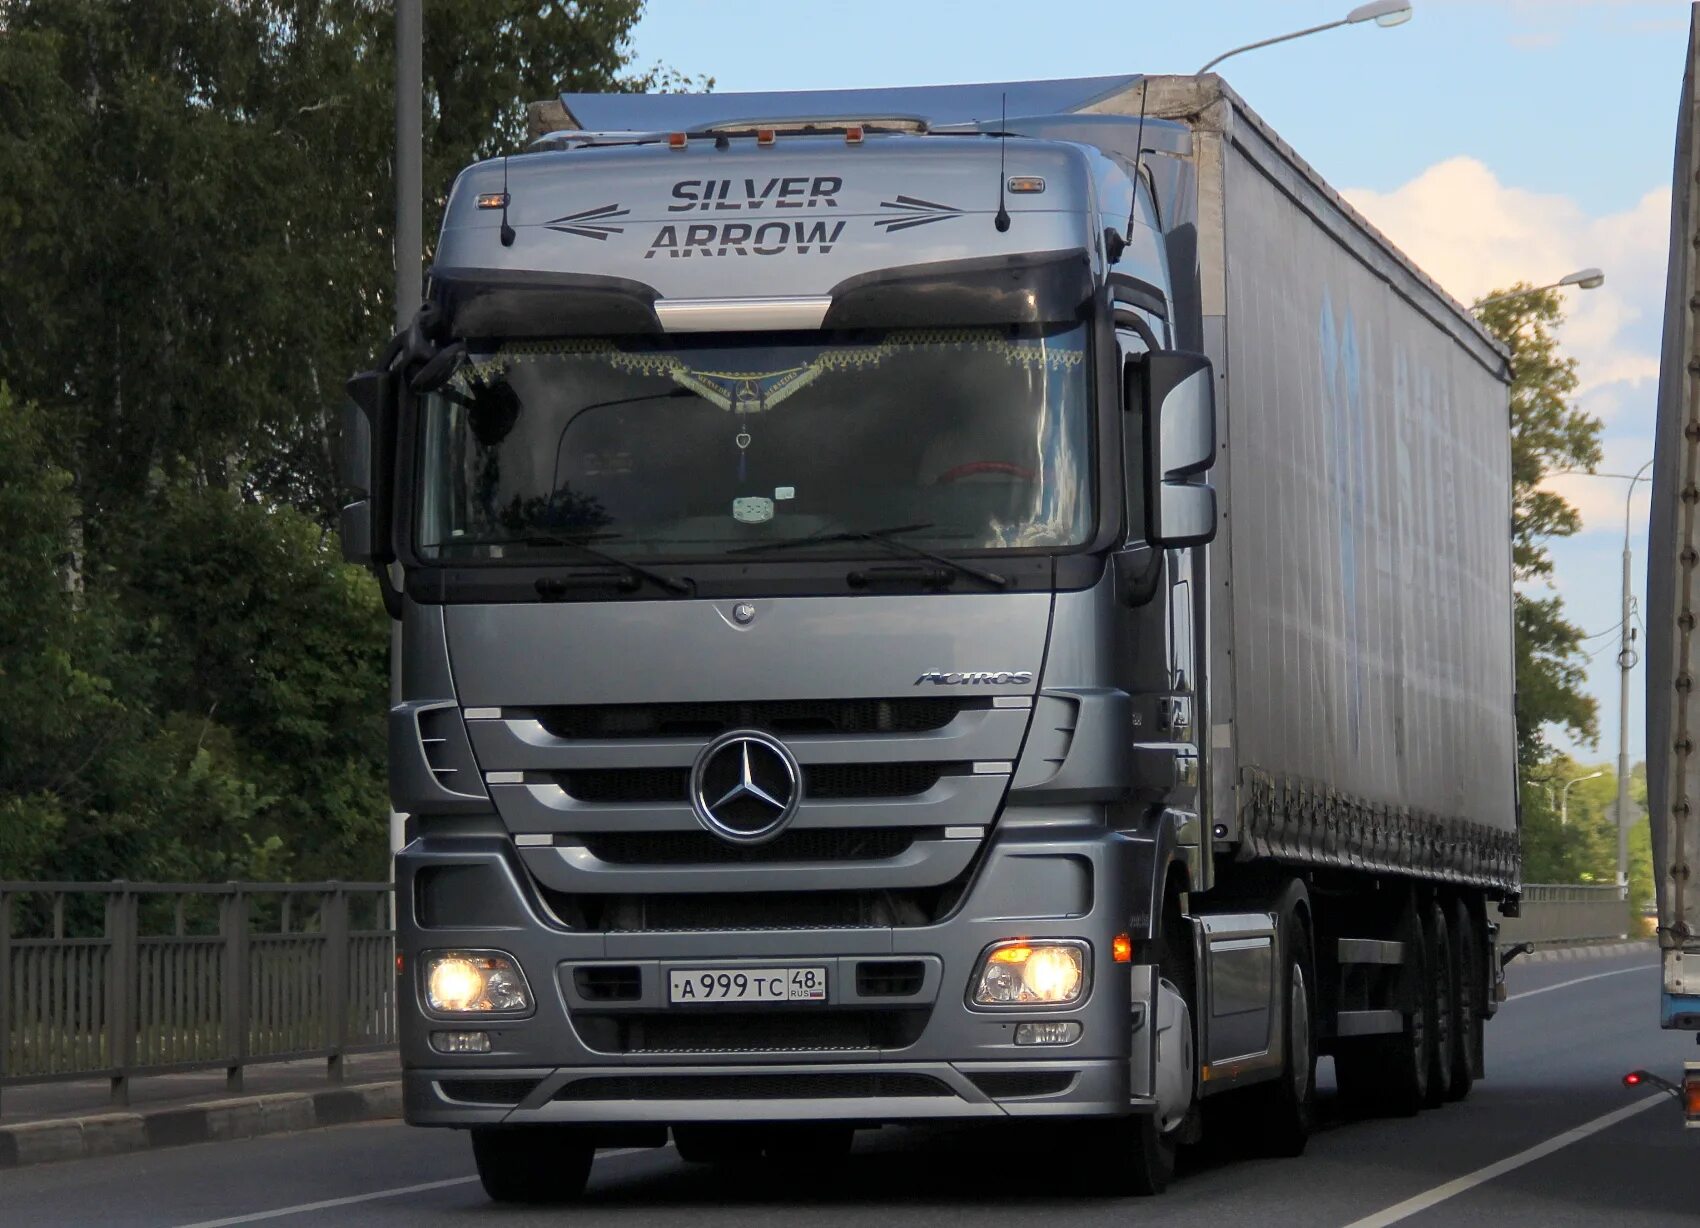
{"x": 1555, "y": 1056}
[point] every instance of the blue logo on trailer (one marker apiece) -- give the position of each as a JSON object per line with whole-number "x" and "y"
{"x": 1343, "y": 395}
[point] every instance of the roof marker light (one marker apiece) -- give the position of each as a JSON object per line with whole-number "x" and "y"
{"x": 853, "y": 134}
{"x": 492, "y": 200}
{"x": 1026, "y": 183}
{"x": 676, "y": 140}
{"x": 765, "y": 136}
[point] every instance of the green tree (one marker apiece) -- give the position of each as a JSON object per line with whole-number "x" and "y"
{"x": 1548, "y": 433}
{"x": 195, "y": 231}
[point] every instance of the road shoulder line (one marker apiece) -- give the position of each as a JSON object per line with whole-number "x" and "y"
{"x": 1451, "y": 1189}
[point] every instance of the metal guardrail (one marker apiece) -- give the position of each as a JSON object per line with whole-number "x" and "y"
{"x": 1564, "y": 912}
{"x": 117, "y": 980}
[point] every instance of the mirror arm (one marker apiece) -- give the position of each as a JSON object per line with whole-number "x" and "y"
{"x": 1137, "y": 570}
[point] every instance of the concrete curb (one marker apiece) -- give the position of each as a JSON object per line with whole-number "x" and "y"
{"x": 76, "y": 1138}
{"x": 1598, "y": 950}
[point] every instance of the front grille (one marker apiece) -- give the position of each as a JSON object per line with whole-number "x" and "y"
{"x": 753, "y": 1087}
{"x": 614, "y": 786}
{"x": 609, "y": 982}
{"x": 800, "y": 1029}
{"x": 791, "y": 716}
{"x": 773, "y": 910}
{"x": 890, "y": 978}
{"x": 668, "y": 848}
{"x": 1015, "y": 1084}
{"x": 487, "y": 1091}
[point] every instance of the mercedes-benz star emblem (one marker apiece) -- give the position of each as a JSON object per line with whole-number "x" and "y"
{"x": 745, "y": 786}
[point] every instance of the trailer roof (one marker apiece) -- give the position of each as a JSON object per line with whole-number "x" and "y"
{"x": 939, "y": 105}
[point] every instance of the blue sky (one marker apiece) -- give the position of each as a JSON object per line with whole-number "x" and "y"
{"x": 1492, "y": 139}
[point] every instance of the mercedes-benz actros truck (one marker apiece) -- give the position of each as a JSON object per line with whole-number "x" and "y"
{"x": 982, "y": 603}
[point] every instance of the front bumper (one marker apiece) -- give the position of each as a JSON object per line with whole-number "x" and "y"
{"x": 578, "y": 1061}
{"x": 886, "y": 1091}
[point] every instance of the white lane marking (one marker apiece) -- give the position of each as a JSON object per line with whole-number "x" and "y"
{"x": 329, "y": 1203}
{"x": 1529, "y": 993}
{"x": 1440, "y": 1193}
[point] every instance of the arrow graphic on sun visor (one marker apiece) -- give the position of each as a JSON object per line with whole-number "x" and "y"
{"x": 914, "y": 212}
{"x": 590, "y": 223}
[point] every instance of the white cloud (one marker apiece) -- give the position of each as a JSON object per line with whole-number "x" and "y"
{"x": 1474, "y": 234}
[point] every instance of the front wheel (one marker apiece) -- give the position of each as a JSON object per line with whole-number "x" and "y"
{"x": 532, "y": 1164}
{"x": 1285, "y": 1110}
{"x": 1127, "y": 1156}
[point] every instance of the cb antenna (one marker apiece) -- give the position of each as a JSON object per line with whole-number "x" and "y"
{"x": 1001, "y": 221}
{"x": 1118, "y": 243}
{"x": 507, "y": 232}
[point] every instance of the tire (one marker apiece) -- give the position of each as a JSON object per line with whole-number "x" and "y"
{"x": 1469, "y": 983}
{"x": 714, "y": 1144}
{"x": 1440, "y": 1003}
{"x": 1127, "y": 1157}
{"x": 811, "y": 1143}
{"x": 1283, "y": 1113}
{"x": 532, "y": 1164}
{"x": 1388, "y": 1075}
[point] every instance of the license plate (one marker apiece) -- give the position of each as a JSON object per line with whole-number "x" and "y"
{"x": 686, "y": 986}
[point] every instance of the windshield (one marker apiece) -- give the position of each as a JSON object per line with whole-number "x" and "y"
{"x": 970, "y": 439}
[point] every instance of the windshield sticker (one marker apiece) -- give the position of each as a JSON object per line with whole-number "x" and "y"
{"x": 784, "y": 492}
{"x": 752, "y": 509}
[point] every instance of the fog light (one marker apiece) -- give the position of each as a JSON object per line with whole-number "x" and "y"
{"x": 468, "y": 982}
{"x": 1019, "y": 973}
{"x": 460, "y": 1042}
{"x": 1058, "y": 1032}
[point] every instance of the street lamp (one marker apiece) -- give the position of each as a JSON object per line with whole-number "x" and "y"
{"x": 1564, "y": 796}
{"x": 1582, "y": 279}
{"x": 1382, "y": 12}
{"x": 1626, "y": 660}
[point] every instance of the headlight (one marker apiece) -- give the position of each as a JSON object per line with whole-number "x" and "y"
{"x": 471, "y": 982}
{"x": 1020, "y": 973}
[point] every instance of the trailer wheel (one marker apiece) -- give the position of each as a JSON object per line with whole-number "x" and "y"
{"x": 533, "y": 1164}
{"x": 1282, "y": 1112}
{"x": 1440, "y": 1002}
{"x": 1388, "y": 1075}
{"x": 1468, "y": 982}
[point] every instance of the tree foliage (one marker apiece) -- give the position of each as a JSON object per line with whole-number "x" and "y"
{"x": 1548, "y": 434}
{"x": 195, "y": 251}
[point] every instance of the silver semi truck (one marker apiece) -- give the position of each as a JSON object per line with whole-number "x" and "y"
{"x": 947, "y": 604}
{"x": 1673, "y": 596}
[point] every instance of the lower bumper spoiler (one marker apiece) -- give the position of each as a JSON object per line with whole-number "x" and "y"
{"x": 863, "y": 1092}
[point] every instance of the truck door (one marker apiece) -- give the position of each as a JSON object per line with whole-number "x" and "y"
{"x": 1170, "y": 724}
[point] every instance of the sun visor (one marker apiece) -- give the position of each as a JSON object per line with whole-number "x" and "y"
{"x": 1036, "y": 288}
{"x": 490, "y": 303}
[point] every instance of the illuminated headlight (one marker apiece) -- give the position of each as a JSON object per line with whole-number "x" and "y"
{"x": 1020, "y": 973}
{"x": 474, "y": 982}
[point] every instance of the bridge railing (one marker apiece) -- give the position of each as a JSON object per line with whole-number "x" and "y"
{"x": 117, "y": 980}
{"x": 1568, "y": 913}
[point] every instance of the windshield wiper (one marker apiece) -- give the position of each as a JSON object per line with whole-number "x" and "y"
{"x": 581, "y": 545}
{"x": 888, "y": 539}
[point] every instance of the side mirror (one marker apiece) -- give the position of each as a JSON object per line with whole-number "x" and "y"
{"x": 1177, "y": 392}
{"x": 368, "y": 467}
{"x": 354, "y": 526}
{"x": 354, "y": 457}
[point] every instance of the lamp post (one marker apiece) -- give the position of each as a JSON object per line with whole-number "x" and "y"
{"x": 1564, "y": 796}
{"x": 1626, "y": 660}
{"x": 1382, "y": 12}
{"x": 409, "y": 250}
{"x": 1582, "y": 279}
